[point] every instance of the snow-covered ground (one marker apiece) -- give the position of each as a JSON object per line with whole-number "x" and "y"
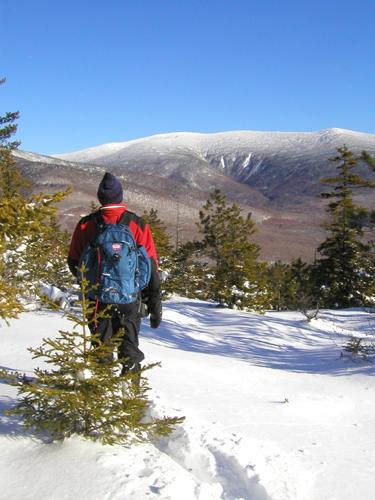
{"x": 272, "y": 412}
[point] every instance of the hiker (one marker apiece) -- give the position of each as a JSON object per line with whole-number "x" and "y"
{"x": 124, "y": 315}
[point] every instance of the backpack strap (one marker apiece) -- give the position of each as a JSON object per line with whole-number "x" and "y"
{"x": 128, "y": 217}
{"x": 98, "y": 220}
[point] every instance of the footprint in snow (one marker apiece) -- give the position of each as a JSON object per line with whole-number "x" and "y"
{"x": 215, "y": 470}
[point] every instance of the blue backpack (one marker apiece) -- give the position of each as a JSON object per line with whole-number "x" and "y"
{"x": 116, "y": 268}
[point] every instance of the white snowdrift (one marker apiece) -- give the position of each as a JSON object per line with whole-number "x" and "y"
{"x": 272, "y": 412}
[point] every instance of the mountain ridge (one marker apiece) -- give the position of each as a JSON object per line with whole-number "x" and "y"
{"x": 276, "y": 176}
{"x": 273, "y": 163}
{"x": 200, "y": 135}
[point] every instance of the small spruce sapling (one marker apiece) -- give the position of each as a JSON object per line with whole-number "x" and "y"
{"x": 82, "y": 393}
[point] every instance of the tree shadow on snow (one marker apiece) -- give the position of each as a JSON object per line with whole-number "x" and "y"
{"x": 10, "y": 425}
{"x": 267, "y": 341}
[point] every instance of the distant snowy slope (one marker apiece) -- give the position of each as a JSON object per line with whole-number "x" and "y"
{"x": 274, "y": 175}
{"x": 35, "y": 157}
{"x": 226, "y": 142}
{"x": 275, "y": 163}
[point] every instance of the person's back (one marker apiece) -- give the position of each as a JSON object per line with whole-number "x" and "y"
{"x": 126, "y": 316}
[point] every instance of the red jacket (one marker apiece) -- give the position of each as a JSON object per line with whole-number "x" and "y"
{"x": 85, "y": 232}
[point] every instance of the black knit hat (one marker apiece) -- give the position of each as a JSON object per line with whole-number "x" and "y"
{"x": 110, "y": 190}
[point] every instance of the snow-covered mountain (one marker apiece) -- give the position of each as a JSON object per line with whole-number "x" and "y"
{"x": 275, "y": 175}
{"x": 277, "y": 164}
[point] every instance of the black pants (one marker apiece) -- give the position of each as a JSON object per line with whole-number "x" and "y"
{"x": 128, "y": 318}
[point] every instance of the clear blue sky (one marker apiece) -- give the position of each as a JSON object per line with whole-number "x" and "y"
{"x": 86, "y": 72}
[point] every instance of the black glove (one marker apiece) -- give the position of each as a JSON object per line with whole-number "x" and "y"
{"x": 155, "y": 309}
{"x": 155, "y": 317}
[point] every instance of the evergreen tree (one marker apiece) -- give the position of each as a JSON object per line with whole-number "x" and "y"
{"x": 32, "y": 246}
{"x": 282, "y": 290}
{"x": 83, "y": 393}
{"x": 233, "y": 275}
{"x": 10, "y": 183}
{"x": 10, "y": 305}
{"x": 181, "y": 272}
{"x": 344, "y": 276}
{"x": 188, "y": 276}
{"x": 8, "y": 127}
{"x": 303, "y": 297}
{"x": 290, "y": 286}
{"x": 370, "y": 161}
{"x": 160, "y": 236}
{"x": 11, "y": 180}
{"x": 164, "y": 249}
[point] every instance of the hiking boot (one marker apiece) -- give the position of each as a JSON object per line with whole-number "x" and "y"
{"x": 135, "y": 381}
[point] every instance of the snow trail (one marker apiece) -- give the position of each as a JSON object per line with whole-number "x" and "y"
{"x": 212, "y": 467}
